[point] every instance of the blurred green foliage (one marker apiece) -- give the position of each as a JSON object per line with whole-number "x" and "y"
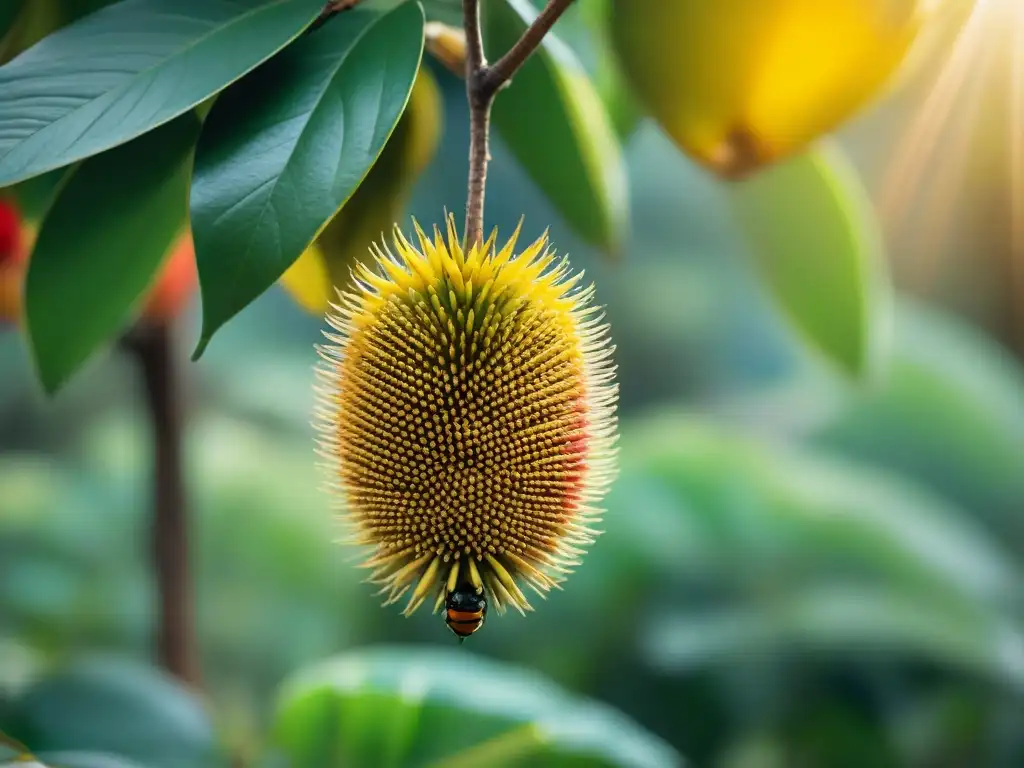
{"x": 794, "y": 572}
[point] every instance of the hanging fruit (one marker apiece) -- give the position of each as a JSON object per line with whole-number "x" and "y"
{"x": 739, "y": 84}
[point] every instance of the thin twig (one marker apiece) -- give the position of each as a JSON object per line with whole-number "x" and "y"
{"x": 482, "y": 84}
{"x": 153, "y": 348}
{"x": 475, "y": 60}
{"x": 503, "y": 69}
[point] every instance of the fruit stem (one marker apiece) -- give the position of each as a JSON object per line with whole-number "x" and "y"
{"x": 479, "y": 122}
{"x": 153, "y": 348}
{"x": 482, "y": 84}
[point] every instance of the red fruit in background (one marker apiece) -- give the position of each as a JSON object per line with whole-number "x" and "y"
{"x": 12, "y": 256}
{"x": 11, "y": 238}
{"x": 168, "y": 297}
{"x": 175, "y": 285}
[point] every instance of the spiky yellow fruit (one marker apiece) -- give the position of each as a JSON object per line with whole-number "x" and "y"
{"x": 468, "y": 416}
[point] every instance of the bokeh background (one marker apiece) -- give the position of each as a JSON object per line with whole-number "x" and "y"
{"x": 796, "y": 570}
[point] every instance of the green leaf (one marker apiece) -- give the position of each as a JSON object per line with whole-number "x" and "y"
{"x": 553, "y": 121}
{"x": 118, "y": 708}
{"x": 283, "y": 150}
{"x": 375, "y": 207}
{"x": 101, "y": 245}
{"x": 36, "y": 195}
{"x": 129, "y": 68}
{"x": 406, "y": 706}
{"x": 623, "y": 110}
{"x": 815, "y": 239}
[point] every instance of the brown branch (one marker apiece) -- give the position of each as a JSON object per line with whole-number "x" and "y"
{"x": 479, "y": 122}
{"x": 153, "y": 348}
{"x": 503, "y": 69}
{"x": 475, "y": 60}
{"x": 482, "y": 84}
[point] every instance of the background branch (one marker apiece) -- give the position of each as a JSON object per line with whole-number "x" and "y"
{"x": 153, "y": 349}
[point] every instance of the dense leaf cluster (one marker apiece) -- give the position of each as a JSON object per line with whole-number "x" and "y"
{"x": 252, "y": 125}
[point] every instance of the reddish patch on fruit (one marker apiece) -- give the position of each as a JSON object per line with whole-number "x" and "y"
{"x": 575, "y": 450}
{"x": 175, "y": 285}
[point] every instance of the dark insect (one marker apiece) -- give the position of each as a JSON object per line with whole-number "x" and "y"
{"x": 465, "y": 609}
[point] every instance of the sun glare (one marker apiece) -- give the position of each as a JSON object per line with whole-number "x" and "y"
{"x": 987, "y": 56}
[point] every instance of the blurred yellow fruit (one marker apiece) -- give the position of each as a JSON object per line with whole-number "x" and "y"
{"x": 738, "y": 84}
{"x": 376, "y": 205}
{"x": 447, "y": 45}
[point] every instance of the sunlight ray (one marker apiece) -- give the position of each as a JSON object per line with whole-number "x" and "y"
{"x": 1017, "y": 170}
{"x": 925, "y": 178}
{"x": 918, "y": 145}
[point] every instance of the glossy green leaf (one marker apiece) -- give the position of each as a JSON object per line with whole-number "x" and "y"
{"x": 129, "y": 68}
{"x": 409, "y": 706}
{"x": 101, "y": 245}
{"x": 116, "y": 708}
{"x": 816, "y": 242}
{"x": 283, "y": 150}
{"x": 553, "y": 121}
{"x": 374, "y": 208}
